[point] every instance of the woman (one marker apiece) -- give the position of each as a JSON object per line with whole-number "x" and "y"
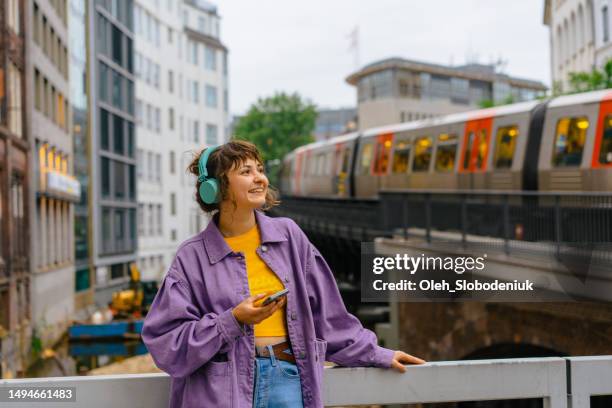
{"x": 207, "y": 326}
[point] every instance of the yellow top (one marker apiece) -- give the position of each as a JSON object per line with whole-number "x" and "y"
{"x": 261, "y": 279}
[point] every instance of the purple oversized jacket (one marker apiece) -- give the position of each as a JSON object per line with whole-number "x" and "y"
{"x": 192, "y": 334}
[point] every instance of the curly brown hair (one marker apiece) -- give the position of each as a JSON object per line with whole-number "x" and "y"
{"x": 227, "y": 157}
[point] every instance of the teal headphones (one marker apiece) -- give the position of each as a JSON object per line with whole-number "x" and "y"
{"x": 209, "y": 187}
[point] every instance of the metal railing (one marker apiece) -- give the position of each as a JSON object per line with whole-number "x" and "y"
{"x": 574, "y": 226}
{"x": 570, "y": 224}
{"x": 559, "y": 382}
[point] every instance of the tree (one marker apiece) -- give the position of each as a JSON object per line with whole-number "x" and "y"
{"x": 278, "y": 124}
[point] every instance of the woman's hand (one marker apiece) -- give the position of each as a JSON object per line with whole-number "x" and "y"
{"x": 400, "y": 358}
{"x": 247, "y": 312}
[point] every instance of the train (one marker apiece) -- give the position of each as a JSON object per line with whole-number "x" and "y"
{"x": 558, "y": 144}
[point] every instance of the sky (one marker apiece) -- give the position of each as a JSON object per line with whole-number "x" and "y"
{"x": 305, "y": 46}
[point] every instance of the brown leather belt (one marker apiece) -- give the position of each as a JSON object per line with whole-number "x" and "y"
{"x": 279, "y": 351}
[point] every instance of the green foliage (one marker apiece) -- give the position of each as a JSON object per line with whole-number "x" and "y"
{"x": 488, "y": 103}
{"x": 591, "y": 81}
{"x": 278, "y": 124}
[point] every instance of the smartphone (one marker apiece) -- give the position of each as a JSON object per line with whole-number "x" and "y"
{"x": 275, "y": 296}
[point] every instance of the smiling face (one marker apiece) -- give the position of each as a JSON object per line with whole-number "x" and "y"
{"x": 248, "y": 185}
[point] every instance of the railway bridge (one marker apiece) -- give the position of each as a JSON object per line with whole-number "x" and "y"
{"x": 560, "y": 240}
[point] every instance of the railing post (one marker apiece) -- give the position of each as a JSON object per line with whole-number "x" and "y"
{"x": 428, "y": 216}
{"x": 463, "y": 220}
{"x": 506, "y": 225}
{"x": 405, "y": 217}
{"x": 557, "y": 226}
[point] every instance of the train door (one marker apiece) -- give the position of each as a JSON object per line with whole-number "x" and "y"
{"x": 382, "y": 159}
{"x": 475, "y": 153}
{"x": 364, "y": 180}
{"x": 601, "y": 160}
{"x": 340, "y": 170}
{"x": 297, "y": 176}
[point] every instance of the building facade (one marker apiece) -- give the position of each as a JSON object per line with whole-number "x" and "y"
{"x": 111, "y": 146}
{"x": 399, "y": 90}
{"x": 54, "y": 188}
{"x": 571, "y": 26}
{"x": 602, "y": 10}
{"x": 333, "y": 122}
{"x": 181, "y": 107}
{"x": 15, "y": 277}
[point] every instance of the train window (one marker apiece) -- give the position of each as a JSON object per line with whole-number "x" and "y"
{"x": 366, "y": 158}
{"x": 446, "y": 152}
{"x": 504, "y": 146}
{"x": 605, "y": 149}
{"x": 401, "y": 155}
{"x": 328, "y": 162}
{"x": 569, "y": 141}
{"x": 468, "y": 150}
{"x": 345, "y": 161}
{"x": 481, "y": 155}
{"x": 383, "y": 151}
{"x": 422, "y": 154}
{"x": 320, "y": 164}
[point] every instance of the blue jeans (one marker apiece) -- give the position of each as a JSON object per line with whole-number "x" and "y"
{"x": 277, "y": 383}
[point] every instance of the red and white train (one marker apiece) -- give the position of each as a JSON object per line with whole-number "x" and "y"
{"x": 561, "y": 144}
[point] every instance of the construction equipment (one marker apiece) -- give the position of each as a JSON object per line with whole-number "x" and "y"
{"x": 136, "y": 300}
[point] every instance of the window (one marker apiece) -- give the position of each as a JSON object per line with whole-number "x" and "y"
{"x": 211, "y": 96}
{"x": 117, "y": 85}
{"x": 422, "y": 154}
{"x": 157, "y": 120}
{"x": 196, "y": 131}
{"x": 158, "y": 167}
{"x": 151, "y": 219}
{"x": 605, "y": 149}
{"x": 202, "y": 24}
{"x": 196, "y": 94}
{"x": 172, "y": 203}
{"x": 119, "y": 168}
{"x": 211, "y": 134}
{"x": 105, "y": 177}
{"x": 14, "y": 100}
{"x": 569, "y": 141}
{"x": 117, "y": 134}
{"x": 476, "y": 150}
{"x": 159, "y": 219}
{"x": 107, "y": 241}
{"x": 139, "y": 163}
{"x": 505, "y": 146}
{"x": 170, "y": 81}
{"x": 117, "y": 50}
{"x": 131, "y": 181}
{"x": 605, "y": 26}
{"x": 446, "y": 152}
{"x": 104, "y": 129}
{"x": 401, "y": 156}
{"x": 149, "y": 165}
{"x": 172, "y": 162}
{"x": 210, "y": 58}
{"x": 194, "y": 52}
{"x": 37, "y": 91}
{"x": 171, "y": 118}
{"x": 141, "y": 223}
{"x": 383, "y": 149}
{"x": 366, "y": 158}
